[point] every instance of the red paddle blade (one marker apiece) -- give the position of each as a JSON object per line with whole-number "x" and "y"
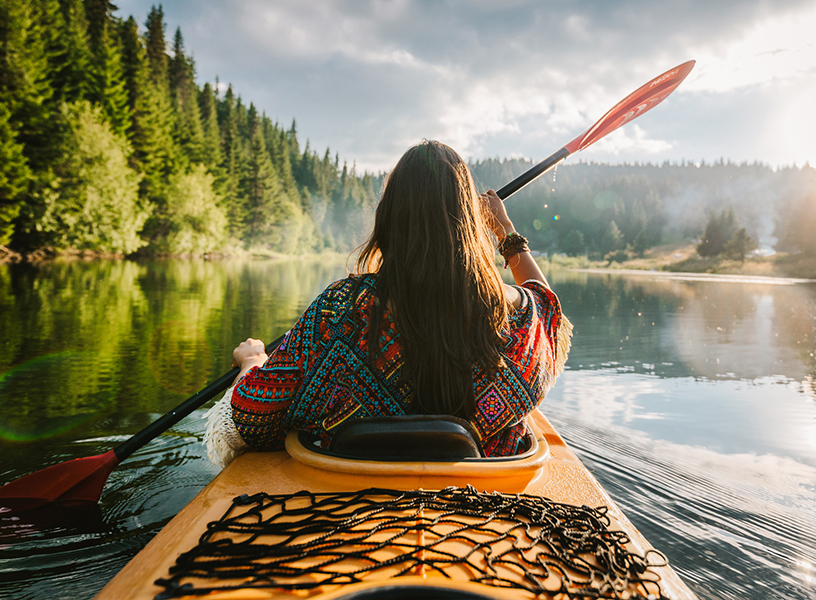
{"x": 75, "y": 481}
{"x": 642, "y": 100}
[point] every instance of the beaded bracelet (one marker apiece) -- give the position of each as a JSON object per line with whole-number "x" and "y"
{"x": 511, "y": 245}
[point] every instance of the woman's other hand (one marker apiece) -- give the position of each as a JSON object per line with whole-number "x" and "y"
{"x": 498, "y": 221}
{"x": 248, "y": 354}
{"x": 522, "y": 265}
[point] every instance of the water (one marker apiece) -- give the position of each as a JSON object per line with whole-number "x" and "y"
{"x": 693, "y": 402}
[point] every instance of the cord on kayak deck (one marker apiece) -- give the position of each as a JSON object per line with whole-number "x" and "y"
{"x": 306, "y": 540}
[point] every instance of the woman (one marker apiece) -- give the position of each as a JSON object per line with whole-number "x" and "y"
{"x": 426, "y": 326}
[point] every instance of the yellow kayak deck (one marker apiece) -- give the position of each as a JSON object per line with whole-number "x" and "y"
{"x": 551, "y": 471}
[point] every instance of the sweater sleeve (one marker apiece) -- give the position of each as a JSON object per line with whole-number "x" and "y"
{"x": 261, "y": 399}
{"x": 551, "y": 320}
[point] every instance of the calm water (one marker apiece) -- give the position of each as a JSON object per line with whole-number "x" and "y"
{"x": 693, "y": 402}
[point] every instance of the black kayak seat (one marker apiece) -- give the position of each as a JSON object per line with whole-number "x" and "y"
{"x": 408, "y": 438}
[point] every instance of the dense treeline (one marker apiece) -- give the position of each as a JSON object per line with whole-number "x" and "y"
{"x": 107, "y": 143}
{"x": 599, "y": 209}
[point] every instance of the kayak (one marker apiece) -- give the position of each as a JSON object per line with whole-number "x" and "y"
{"x": 308, "y": 523}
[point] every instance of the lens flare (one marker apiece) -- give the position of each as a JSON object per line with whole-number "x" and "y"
{"x": 59, "y": 391}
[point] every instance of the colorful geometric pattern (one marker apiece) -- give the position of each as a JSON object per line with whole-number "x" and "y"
{"x": 321, "y": 374}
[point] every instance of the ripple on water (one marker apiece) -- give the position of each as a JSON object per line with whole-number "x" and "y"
{"x": 42, "y": 557}
{"x": 750, "y": 518}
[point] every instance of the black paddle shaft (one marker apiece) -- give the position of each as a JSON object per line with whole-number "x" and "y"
{"x": 159, "y": 426}
{"x": 531, "y": 174}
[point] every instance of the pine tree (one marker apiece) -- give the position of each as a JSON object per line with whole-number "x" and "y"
{"x": 612, "y": 239}
{"x": 24, "y": 81}
{"x": 266, "y": 206}
{"x": 73, "y": 82}
{"x": 718, "y": 230}
{"x": 278, "y": 144}
{"x": 739, "y": 245}
{"x": 149, "y": 132}
{"x": 188, "y": 132}
{"x": 212, "y": 134}
{"x": 107, "y": 87}
{"x": 157, "y": 49}
{"x": 134, "y": 61}
{"x": 153, "y": 141}
{"x": 232, "y": 165}
{"x": 14, "y": 176}
{"x": 66, "y": 49}
{"x": 573, "y": 244}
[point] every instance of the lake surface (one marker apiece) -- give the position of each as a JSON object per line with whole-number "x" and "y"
{"x": 693, "y": 403}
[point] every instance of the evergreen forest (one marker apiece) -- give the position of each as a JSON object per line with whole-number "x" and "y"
{"x": 600, "y": 210}
{"x": 108, "y": 144}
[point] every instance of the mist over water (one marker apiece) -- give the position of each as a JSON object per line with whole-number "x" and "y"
{"x": 692, "y": 402}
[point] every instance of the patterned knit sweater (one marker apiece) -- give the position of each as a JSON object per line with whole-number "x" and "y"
{"x": 321, "y": 374}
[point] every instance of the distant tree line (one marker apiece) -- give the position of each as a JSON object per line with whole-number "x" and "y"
{"x": 618, "y": 211}
{"x": 107, "y": 143}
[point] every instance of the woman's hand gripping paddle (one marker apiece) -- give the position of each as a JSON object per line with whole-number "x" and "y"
{"x": 642, "y": 100}
{"x": 81, "y": 480}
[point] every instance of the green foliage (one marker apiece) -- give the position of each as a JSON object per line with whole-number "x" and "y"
{"x": 66, "y": 47}
{"x": 573, "y": 243}
{"x": 14, "y": 176}
{"x": 209, "y": 123}
{"x": 93, "y": 203}
{"x": 156, "y": 47}
{"x": 612, "y": 239}
{"x": 107, "y": 86}
{"x": 739, "y": 245}
{"x": 718, "y": 230}
{"x": 24, "y": 79}
{"x": 618, "y": 257}
{"x": 188, "y": 132}
{"x": 196, "y": 221}
{"x": 268, "y": 208}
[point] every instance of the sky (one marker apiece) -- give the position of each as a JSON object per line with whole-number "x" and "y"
{"x": 514, "y": 78}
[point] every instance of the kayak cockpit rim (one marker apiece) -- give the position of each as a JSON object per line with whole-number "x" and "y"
{"x": 303, "y": 450}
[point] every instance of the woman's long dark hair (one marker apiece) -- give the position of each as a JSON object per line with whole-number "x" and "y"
{"x": 434, "y": 255}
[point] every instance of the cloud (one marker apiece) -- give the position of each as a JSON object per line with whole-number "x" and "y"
{"x": 494, "y": 77}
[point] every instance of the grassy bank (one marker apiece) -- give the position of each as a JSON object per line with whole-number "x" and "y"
{"x": 683, "y": 258}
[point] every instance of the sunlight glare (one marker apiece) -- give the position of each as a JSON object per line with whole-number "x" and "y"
{"x": 779, "y": 49}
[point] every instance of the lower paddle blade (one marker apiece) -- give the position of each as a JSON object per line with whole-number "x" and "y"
{"x": 75, "y": 481}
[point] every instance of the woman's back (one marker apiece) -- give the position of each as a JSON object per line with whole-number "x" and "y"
{"x": 325, "y": 372}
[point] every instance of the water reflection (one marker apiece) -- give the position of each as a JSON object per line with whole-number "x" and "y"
{"x": 713, "y": 330}
{"x": 76, "y": 335}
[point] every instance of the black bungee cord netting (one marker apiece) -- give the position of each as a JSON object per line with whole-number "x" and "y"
{"x": 307, "y": 540}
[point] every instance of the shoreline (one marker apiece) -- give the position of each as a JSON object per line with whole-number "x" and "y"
{"x": 691, "y": 276}
{"x": 50, "y": 255}
{"x": 674, "y": 260}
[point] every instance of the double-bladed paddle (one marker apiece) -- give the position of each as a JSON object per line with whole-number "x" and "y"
{"x": 82, "y": 479}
